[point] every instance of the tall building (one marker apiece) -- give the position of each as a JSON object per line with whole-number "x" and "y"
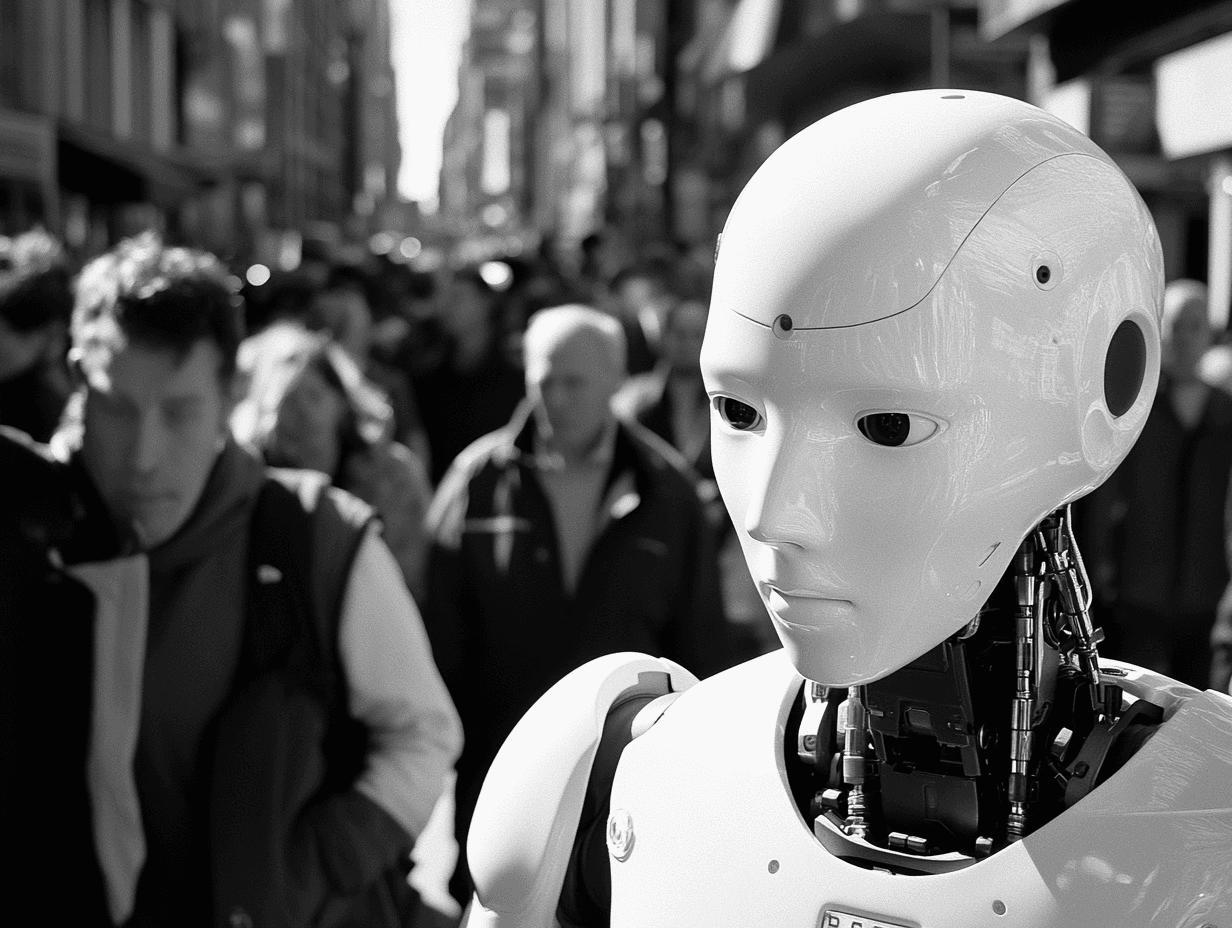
{"x": 561, "y": 122}
{"x": 91, "y": 118}
{"x": 487, "y": 181}
{"x": 378, "y": 153}
{"x": 236, "y": 125}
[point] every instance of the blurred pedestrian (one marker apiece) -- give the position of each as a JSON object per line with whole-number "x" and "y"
{"x": 1221, "y": 631}
{"x": 309, "y": 406}
{"x": 285, "y": 733}
{"x": 641, "y": 296}
{"x": 63, "y": 586}
{"x": 475, "y": 389}
{"x": 672, "y": 402}
{"x": 602, "y": 254}
{"x": 35, "y": 302}
{"x": 1155, "y": 529}
{"x": 343, "y": 308}
{"x": 563, "y": 536}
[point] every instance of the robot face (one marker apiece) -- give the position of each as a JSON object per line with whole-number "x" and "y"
{"x": 895, "y": 408}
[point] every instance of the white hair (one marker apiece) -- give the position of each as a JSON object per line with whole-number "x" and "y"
{"x": 553, "y": 326}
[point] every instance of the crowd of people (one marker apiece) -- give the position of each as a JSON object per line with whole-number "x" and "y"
{"x": 277, "y": 559}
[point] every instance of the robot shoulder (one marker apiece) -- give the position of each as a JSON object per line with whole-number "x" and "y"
{"x": 528, "y": 812}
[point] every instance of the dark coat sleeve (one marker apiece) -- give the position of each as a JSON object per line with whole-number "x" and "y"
{"x": 448, "y": 608}
{"x": 698, "y": 635}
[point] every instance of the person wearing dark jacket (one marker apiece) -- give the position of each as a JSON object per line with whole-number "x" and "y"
{"x": 54, "y": 529}
{"x": 671, "y": 401}
{"x": 474, "y": 388}
{"x": 231, "y": 793}
{"x": 566, "y": 535}
{"x": 35, "y": 302}
{"x": 1155, "y": 529}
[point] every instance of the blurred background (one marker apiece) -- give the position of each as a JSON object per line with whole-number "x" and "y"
{"x": 280, "y": 132}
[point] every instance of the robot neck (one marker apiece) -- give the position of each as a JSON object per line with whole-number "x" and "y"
{"x": 982, "y": 739}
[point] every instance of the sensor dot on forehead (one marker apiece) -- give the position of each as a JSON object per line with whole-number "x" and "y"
{"x": 551, "y": 328}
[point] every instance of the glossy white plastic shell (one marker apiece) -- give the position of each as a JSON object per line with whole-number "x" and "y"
{"x": 721, "y": 844}
{"x": 528, "y": 811}
{"x": 903, "y": 237}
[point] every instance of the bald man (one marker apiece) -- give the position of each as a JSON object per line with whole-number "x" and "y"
{"x": 564, "y": 536}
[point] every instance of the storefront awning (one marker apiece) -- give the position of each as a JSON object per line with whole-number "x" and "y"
{"x": 1089, "y": 35}
{"x": 111, "y": 170}
{"x": 999, "y": 18}
{"x": 853, "y": 60}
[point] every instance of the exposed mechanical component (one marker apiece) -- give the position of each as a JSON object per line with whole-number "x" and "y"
{"x": 1028, "y": 632}
{"x": 917, "y": 764}
{"x": 855, "y": 769}
{"x": 1055, "y": 538}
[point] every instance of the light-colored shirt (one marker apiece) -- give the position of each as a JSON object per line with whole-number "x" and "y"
{"x": 121, "y": 604}
{"x": 575, "y": 492}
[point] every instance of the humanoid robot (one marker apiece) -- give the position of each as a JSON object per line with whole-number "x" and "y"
{"x": 934, "y": 325}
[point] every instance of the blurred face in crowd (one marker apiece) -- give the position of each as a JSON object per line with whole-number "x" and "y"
{"x": 571, "y": 375}
{"x": 345, "y": 312}
{"x": 611, "y": 253}
{"x": 682, "y": 340}
{"x": 1186, "y": 335}
{"x": 154, "y": 424}
{"x": 308, "y": 425}
{"x": 635, "y": 293}
{"x": 20, "y": 351}
{"x": 467, "y": 309}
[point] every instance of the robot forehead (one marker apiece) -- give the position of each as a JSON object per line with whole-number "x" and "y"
{"x": 856, "y": 218}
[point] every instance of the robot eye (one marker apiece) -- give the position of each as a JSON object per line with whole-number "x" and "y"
{"x": 740, "y": 416}
{"x": 894, "y": 429}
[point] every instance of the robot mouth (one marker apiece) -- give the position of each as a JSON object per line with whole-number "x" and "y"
{"x": 769, "y": 589}
{"x": 809, "y": 610}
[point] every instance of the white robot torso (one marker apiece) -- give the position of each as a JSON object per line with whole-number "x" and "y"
{"x": 935, "y": 323}
{"x": 710, "y": 835}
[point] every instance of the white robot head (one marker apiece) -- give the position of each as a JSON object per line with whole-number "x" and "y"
{"x": 935, "y": 319}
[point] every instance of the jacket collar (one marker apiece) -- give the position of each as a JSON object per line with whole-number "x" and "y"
{"x": 627, "y": 465}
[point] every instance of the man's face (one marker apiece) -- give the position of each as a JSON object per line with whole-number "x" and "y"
{"x": 636, "y": 293}
{"x": 572, "y": 381}
{"x": 345, "y": 312}
{"x": 20, "y": 351}
{"x": 154, "y": 424}
{"x": 466, "y": 309}
{"x": 682, "y": 340}
{"x": 1186, "y": 337}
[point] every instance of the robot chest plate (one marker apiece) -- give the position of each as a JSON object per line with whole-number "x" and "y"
{"x": 710, "y": 836}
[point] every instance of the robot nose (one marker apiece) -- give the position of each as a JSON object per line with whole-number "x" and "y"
{"x": 792, "y": 501}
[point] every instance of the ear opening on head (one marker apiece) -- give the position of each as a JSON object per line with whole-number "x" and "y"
{"x": 1124, "y": 367}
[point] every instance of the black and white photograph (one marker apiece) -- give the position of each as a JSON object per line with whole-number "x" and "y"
{"x": 616, "y": 463}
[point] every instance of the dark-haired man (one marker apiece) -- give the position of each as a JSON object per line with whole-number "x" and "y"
{"x": 245, "y": 801}
{"x": 35, "y": 302}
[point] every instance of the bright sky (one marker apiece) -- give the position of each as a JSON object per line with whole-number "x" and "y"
{"x": 427, "y": 38}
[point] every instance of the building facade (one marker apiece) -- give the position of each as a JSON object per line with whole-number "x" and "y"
{"x": 235, "y": 125}
{"x": 1153, "y": 86}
